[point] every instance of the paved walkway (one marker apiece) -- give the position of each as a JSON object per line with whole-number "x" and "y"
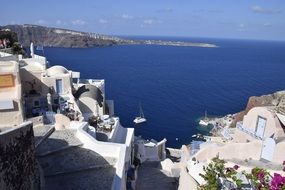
{"x": 150, "y": 176}
{"x": 66, "y": 165}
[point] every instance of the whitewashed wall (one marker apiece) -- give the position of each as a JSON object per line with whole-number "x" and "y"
{"x": 108, "y": 149}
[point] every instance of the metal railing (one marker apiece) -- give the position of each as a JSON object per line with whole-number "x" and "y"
{"x": 90, "y": 81}
{"x": 240, "y": 126}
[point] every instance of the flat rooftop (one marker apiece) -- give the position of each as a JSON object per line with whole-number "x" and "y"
{"x": 8, "y": 67}
{"x": 8, "y": 93}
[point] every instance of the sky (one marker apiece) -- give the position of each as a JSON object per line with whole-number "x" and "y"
{"x": 236, "y": 19}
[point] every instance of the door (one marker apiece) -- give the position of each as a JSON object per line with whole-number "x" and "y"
{"x": 260, "y": 126}
{"x": 50, "y": 117}
{"x": 268, "y": 149}
{"x": 59, "y": 86}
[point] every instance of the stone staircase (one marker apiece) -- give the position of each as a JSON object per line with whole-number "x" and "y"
{"x": 67, "y": 165}
{"x": 151, "y": 176}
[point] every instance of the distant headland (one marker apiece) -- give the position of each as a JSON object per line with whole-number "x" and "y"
{"x": 57, "y": 37}
{"x": 172, "y": 43}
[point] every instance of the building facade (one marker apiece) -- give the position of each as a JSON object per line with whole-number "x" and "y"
{"x": 11, "y": 109}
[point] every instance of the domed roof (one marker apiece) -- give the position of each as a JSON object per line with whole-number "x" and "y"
{"x": 90, "y": 91}
{"x": 56, "y": 70}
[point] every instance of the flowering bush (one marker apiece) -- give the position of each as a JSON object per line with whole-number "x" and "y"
{"x": 216, "y": 171}
{"x": 277, "y": 182}
{"x": 260, "y": 178}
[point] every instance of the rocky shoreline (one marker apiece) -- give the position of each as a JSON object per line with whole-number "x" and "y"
{"x": 230, "y": 120}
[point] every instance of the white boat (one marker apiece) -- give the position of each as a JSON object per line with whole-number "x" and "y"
{"x": 141, "y": 118}
{"x": 41, "y": 48}
{"x": 204, "y": 122}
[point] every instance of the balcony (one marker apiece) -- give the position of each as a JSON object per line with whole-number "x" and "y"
{"x": 96, "y": 82}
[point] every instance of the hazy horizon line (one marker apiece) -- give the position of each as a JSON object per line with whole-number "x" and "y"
{"x": 153, "y": 35}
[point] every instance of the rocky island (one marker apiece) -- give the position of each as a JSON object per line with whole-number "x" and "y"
{"x": 57, "y": 37}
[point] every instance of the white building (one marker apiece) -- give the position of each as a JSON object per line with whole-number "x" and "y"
{"x": 30, "y": 90}
{"x": 11, "y": 109}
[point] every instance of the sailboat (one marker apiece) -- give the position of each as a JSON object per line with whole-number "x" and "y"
{"x": 40, "y": 48}
{"x": 204, "y": 122}
{"x": 140, "y": 118}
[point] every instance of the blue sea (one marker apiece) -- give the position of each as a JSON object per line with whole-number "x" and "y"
{"x": 175, "y": 85}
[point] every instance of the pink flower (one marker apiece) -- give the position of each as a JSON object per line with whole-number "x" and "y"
{"x": 260, "y": 175}
{"x": 278, "y": 182}
{"x": 236, "y": 167}
{"x": 284, "y": 163}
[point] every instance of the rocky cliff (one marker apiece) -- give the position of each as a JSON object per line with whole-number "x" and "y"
{"x": 276, "y": 99}
{"x": 55, "y": 37}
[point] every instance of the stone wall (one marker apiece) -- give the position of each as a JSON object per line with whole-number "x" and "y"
{"x": 186, "y": 182}
{"x": 17, "y": 158}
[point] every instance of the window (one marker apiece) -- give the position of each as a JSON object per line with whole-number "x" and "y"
{"x": 55, "y": 101}
{"x": 59, "y": 86}
{"x": 36, "y": 103}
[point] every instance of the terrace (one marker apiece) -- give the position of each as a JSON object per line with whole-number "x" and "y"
{"x": 99, "y": 83}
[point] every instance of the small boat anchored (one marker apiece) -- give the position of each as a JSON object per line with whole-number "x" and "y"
{"x": 140, "y": 118}
{"x": 205, "y": 121}
{"x": 41, "y": 48}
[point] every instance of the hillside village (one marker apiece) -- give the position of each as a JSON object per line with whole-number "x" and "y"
{"x": 59, "y": 131}
{"x": 65, "y": 128}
